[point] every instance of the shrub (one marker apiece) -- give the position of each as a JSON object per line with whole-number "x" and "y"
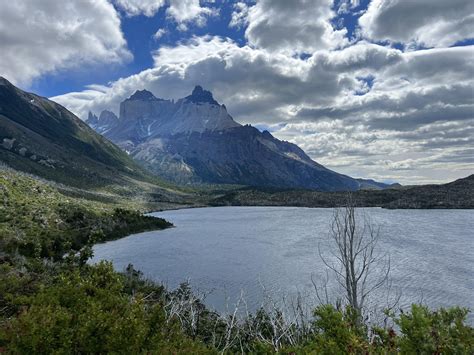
{"x": 435, "y": 332}
{"x": 86, "y": 311}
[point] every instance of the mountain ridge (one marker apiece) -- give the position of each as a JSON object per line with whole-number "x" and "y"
{"x": 195, "y": 140}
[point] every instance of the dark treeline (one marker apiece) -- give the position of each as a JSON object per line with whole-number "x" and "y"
{"x": 457, "y": 194}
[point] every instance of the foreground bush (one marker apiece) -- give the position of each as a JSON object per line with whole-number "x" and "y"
{"x": 435, "y": 332}
{"x": 421, "y": 331}
{"x": 87, "y": 311}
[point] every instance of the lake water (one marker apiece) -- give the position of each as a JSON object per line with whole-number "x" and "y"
{"x": 225, "y": 250}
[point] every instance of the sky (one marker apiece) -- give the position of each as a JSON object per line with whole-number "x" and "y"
{"x": 379, "y": 89}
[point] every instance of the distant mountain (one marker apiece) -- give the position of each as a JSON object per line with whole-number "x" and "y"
{"x": 41, "y": 137}
{"x": 143, "y": 117}
{"x": 195, "y": 140}
{"x": 105, "y": 122}
{"x": 369, "y": 184}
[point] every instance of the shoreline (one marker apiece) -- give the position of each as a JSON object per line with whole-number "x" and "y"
{"x": 187, "y": 207}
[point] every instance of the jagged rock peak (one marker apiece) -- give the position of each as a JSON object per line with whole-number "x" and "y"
{"x": 199, "y": 95}
{"x": 143, "y": 95}
{"x": 92, "y": 117}
{"x": 92, "y": 120}
{"x": 107, "y": 115}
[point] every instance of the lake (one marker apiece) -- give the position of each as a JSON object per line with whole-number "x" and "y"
{"x": 259, "y": 251}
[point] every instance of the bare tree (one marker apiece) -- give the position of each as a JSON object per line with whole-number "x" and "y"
{"x": 359, "y": 267}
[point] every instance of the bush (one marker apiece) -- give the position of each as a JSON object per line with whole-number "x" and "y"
{"x": 435, "y": 332}
{"x": 86, "y": 311}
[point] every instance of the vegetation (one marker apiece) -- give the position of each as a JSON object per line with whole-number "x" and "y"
{"x": 53, "y": 301}
{"x": 456, "y": 194}
{"x": 69, "y": 308}
{"x": 36, "y": 220}
{"x": 86, "y": 310}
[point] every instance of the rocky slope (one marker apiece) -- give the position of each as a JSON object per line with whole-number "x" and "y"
{"x": 195, "y": 140}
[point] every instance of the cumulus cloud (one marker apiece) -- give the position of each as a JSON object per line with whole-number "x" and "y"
{"x": 138, "y": 7}
{"x": 239, "y": 15}
{"x": 160, "y": 33}
{"x": 189, "y": 11}
{"x": 301, "y": 26}
{"x": 431, "y": 23}
{"x": 346, "y": 6}
{"x": 37, "y": 37}
{"x": 240, "y": 77}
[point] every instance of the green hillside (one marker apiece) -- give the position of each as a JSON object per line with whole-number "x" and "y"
{"x": 38, "y": 220}
{"x": 43, "y": 138}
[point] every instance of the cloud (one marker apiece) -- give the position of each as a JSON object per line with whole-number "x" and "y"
{"x": 183, "y": 12}
{"x": 300, "y": 26}
{"x": 346, "y": 6}
{"x": 38, "y": 37}
{"x": 431, "y": 23}
{"x": 239, "y": 76}
{"x": 189, "y": 11}
{"x": 239, "y": 15}
{"x": 160, "y": 33}
{"x": 444, "y": 154}
{"x": 363, "y": 57}
{"x": 139, "y": 7}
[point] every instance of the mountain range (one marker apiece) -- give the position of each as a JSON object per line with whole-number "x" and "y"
{"x": 195, "y": 140}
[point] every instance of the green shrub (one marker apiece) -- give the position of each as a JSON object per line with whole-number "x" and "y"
{"x": 336, "y": 332}
{"x": 435, "y": 332}
{"x": 86, "y": 311}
